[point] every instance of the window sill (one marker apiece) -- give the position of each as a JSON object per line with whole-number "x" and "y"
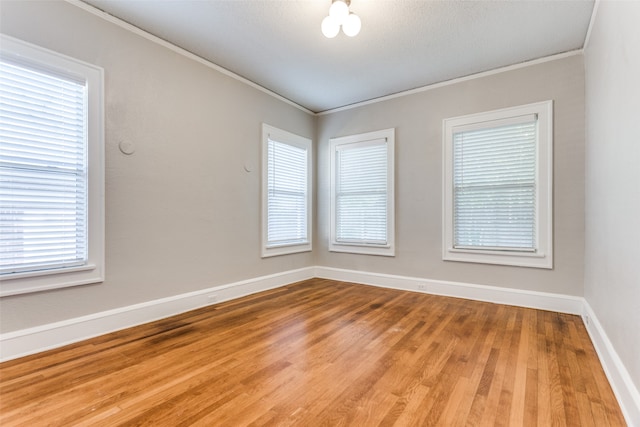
{"x": 286, "y": 249}
{"x": 30, "y": 282}
{"x": 362, "y": 249}
{"x": 516, "y": 259}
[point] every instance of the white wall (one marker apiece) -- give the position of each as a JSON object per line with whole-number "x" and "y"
{"x": 612, "y": 255}
{"x": 182, "y": 214}
{"x": 418, "y": 122}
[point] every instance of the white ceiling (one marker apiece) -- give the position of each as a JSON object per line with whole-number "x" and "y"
{"x": 404, "y": 44}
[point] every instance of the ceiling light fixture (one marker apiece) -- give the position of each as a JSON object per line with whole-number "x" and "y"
{"x": 340, "y": 16}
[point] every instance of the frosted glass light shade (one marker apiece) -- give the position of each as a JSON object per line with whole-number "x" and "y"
{"x": 339, "y": 11}
{"x": 330, "y": 28}
{"x": 352, "y": 25}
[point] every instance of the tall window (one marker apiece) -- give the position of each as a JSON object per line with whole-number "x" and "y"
{"x": 51, "y": 171}
{"x": 286, "y": 189}
{"x": 362, "y": 201}
{"x": 498, "y": 194}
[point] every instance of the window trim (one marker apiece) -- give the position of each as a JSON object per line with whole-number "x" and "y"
{"x": 543, "y": 257}
{"x": 282, "y": 136}
{"x": 364, "y": 248}
{"x": 93, "y": 270}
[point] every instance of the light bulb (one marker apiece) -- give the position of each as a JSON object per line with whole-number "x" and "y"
{"x": 339, "y": 11}
{"x": 330, "y": 28}
{"x": 352, "y": 25}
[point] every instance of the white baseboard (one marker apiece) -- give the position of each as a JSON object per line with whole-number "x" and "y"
{"x": 623, "y": 387}
{"x": 33, "y": 340}
{"x": 40, "y": 338}
{"x": 509, "y": 296}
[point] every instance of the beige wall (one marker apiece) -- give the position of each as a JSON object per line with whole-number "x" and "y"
{"x": 612, "y": 273}
{"x": 418, "y": 122}
{"x": 181, "y": 213}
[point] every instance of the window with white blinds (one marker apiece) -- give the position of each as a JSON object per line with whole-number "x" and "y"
{"x": 362, "y": 193}
{"x": 286, "y": 192}
{"x": 44, "y": 169}
{"x": 498, "y": 187}
{"x": 494, "y": 187}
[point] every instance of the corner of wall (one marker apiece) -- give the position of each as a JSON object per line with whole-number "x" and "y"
{"x": 625, "y": 391}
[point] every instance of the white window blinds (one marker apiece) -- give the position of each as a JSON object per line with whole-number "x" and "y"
{"x": 287, "y": 187}
{"x": 361, "y": 193}
{"x": 494, "y": 185}
{"x": 43, "y": 173}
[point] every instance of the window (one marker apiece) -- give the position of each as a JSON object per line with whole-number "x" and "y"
{"x": 286, "y": 192}
{"x": 362, "y": 201}
{"x": 51, "y": 170}
{"x": 498, "y": 187}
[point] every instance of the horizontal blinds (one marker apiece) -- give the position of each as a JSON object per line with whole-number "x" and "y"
{"x": 43, "y": 174}
{"x": 286, "y": 194}
{"x": 361, "y": 193}
{"x": 494, "y": 184}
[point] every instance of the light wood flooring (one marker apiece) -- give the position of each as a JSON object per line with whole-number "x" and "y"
{"x": 322, "y": 353}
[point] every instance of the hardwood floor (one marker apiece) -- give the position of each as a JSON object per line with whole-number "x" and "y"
{"x": 322, "y": 353}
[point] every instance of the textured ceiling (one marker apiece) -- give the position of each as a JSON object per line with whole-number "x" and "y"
{"x": 404, "y": 44}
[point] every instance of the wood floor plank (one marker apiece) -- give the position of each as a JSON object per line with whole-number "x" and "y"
{"x": 544, "y": 383}
{"x": 322, "y": 353}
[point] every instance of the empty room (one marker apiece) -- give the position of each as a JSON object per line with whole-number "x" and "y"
{"x": 319, "y": 212}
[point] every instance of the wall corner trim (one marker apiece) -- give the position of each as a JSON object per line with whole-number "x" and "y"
{"x": 623, "y": 387}
{"x": 592, "y": 22}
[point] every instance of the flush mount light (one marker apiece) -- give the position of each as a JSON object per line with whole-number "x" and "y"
{"x": 340, "y": 16}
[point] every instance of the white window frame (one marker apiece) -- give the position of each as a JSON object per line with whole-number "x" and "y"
{"x": 338, "y": 143}
{"x": 542, "y": 257}
{"x": 93, "y": 269}
{"x": 284, "y": 137}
